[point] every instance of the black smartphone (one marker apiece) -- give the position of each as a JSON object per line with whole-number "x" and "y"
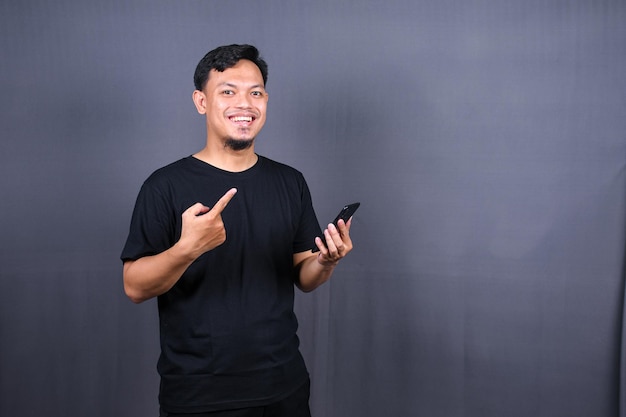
{"x": 346, "y": 212}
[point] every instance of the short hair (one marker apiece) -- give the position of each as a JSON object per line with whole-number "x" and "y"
{"x": 225, "y": 57}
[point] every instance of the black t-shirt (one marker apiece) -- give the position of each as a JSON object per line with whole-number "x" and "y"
{"x": 228, "y": 330}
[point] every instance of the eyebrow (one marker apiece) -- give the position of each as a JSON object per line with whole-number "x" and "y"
{"x": 227, "y": 84}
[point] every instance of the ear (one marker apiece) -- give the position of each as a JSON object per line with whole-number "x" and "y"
{"x": 199, "y": 99}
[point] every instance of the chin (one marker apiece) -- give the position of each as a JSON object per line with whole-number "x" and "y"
{"x": 238, "y": 144}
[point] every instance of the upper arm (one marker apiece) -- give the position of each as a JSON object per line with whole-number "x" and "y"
{"x": 299, "y": 259}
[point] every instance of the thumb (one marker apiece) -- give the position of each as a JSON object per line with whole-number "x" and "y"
{"x": 197, "y": 209}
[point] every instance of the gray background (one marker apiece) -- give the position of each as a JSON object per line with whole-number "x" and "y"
{"x": 486, "y": 141}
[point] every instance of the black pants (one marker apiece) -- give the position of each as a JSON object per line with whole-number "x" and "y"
{"x": 296, "y": 405}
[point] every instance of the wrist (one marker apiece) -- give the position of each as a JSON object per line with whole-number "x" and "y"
{"x": 183, "y": 253}
{"x": 326, "y": 264}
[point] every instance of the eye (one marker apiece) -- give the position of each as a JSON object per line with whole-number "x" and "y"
{"x": 257, "y": 93}
{"x": 228, "y": 92}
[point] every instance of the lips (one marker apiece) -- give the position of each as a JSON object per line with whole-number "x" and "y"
{"x": 241, "y": 119}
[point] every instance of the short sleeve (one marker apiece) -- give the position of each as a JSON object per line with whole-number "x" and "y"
{"x": 309, "y": 227}
{"x": 152, "y": 226}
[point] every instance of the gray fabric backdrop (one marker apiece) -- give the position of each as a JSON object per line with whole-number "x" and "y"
{"x": 486, "y": 141}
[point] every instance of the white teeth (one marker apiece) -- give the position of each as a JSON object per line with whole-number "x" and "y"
{"x": 241, "y": 119}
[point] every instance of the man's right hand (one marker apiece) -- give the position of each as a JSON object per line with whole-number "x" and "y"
{"x": 203, "y": 228}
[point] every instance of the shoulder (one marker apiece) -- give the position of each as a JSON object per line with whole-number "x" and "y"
{"x": 169, "y": 172}
{"x": 174, "y": 167}
{"x": 269, "y": 165}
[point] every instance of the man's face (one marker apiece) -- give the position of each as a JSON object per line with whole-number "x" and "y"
{"x": 234, "y": 102}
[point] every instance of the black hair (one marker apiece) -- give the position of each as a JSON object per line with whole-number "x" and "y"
{"x": 225, "y": 57}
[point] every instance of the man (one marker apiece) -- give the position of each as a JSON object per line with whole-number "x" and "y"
{"x": 224, "y": 274}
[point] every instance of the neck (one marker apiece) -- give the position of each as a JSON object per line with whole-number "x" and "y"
{"x": 229, "y": 160}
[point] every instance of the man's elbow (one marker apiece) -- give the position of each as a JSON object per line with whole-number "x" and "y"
{"x": 134, "y": 295}
{"x": 130, "y": 290}
{"x": 308, "y": 286}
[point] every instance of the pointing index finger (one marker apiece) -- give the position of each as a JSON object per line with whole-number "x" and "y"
{"x": 223, "y": 202}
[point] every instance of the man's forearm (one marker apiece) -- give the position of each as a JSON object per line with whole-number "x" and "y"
{"x": 154, "y": 275}
{"x": 311, "y": 274}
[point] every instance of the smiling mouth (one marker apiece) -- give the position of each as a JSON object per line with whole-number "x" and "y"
{"x": 242, "y": 119}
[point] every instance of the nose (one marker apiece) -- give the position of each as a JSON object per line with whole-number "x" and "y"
{"x": 243, "y": 101}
